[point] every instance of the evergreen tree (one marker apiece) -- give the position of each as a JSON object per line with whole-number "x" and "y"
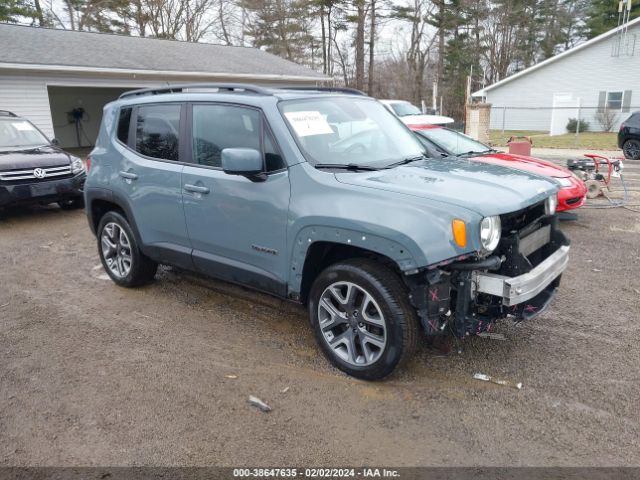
{"x": 281, "y": 27}
{"x": 14, "y": 11}
{"x": 602, "y": 15}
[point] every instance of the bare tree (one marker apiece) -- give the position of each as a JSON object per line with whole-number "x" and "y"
{"x": 344, "y": 62}
{"x": 359, "y": 42}
{"x": 607, "y": 118}
{"x": 372, "y": 43}
{"x": 198, "y": 21}
{"x": 420, "y": 44}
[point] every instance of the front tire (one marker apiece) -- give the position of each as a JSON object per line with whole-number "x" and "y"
{"x": 362, "y": 318}
{"x": 631, "y": 149}
{"x": 120, "y": 254}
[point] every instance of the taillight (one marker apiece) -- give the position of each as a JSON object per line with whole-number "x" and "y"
{"x": 88, "y": 163}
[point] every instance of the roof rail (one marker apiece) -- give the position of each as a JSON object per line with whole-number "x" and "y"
{"x": 229, "y": 87}
{"x": 7, "y": 113}
{"x": 352, "y": 91}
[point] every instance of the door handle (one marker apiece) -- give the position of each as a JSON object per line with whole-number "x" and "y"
{"x": 195, "y": 188}
{"x": 128, "y": 175}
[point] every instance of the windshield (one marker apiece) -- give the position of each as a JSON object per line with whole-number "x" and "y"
{"x": 455, "y": 143}
{"x": 20, "y": 133}
{"x": 349, "y": 131}
{"x": 404, "y": 109}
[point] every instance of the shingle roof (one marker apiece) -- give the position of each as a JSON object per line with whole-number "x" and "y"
{"x": 42, "y": 46}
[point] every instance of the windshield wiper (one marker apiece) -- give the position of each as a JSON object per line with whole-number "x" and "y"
{"x": 354, "y": 167}
{"x": 26, "y": 148}
{"x": 477, "y": 152}
{"x": 407, "y": 160}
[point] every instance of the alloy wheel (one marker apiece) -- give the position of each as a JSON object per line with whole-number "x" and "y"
{"x": 352, "y": 323}
{"x": 116, "y": 250}
{"x": 632, "y": 149}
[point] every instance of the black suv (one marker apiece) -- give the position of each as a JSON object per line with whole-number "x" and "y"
{"x": 629, "y": 137}
{"x": 34, "y": 169}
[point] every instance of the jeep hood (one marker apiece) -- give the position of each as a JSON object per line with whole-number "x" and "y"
{"x": 479, "y": 187}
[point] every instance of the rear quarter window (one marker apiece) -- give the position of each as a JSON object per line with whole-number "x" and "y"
{"x": 124, "y": 120}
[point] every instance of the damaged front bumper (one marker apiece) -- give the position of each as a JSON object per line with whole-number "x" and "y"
{"x": 518, "y": 281}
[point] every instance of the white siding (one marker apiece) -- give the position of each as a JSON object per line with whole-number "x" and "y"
{"x": 582, "y": 74}
{"x": 27, "y": 96}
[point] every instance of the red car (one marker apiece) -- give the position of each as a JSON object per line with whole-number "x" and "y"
{"x": 441, "y": 141}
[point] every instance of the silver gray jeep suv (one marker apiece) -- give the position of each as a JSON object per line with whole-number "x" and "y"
{"x": 323, "y": 197}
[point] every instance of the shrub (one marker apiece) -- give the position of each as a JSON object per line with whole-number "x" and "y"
{"x": 572, "y": 125}
{"x": 607, "y": 118}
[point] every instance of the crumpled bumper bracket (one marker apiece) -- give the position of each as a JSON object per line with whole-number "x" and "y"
{"x": 516, "y": 290}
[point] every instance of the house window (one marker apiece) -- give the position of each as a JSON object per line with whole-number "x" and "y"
{"x": 614, "y": 100}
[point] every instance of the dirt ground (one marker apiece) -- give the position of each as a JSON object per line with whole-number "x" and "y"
{"x": 94, "y": 374}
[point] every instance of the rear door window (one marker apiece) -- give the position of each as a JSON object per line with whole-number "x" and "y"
{"x": 158, "y": 131}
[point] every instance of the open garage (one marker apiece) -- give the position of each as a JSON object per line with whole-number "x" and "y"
{"x": 76, "y": 113}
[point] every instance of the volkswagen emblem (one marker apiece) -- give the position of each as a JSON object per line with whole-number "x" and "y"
{"x": 39, "y": 173}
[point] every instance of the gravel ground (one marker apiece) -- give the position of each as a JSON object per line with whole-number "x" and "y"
{"x": 93, "y": 374}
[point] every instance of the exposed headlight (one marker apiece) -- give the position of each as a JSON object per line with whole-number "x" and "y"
{"x": 550, "y": 205}
{"x": 564, "y": 181}
{"x": 490, "y": 231}
{"x": 76, "y": 165}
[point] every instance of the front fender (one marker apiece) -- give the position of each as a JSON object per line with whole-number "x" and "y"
{"x": 399, "y": 252}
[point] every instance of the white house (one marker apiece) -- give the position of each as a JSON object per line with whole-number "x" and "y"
{"x": 601, "y": 73}
{"x": 52, "y": 76}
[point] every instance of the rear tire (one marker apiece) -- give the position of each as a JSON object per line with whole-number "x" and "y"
{"x": 362, "y": 318}
{"x": 631, "y": 149}
{"x": 120, "y": 254}
{"x": 71, "y": 203}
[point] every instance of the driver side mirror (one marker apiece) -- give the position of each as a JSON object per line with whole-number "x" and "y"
{"x": 247, "y": 162}
{"x": 55, "y": 141}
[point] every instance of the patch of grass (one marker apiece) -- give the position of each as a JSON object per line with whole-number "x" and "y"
{"x": 589, "y": 140}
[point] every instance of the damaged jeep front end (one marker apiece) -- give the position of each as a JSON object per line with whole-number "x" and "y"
{"x": 518, "y": 279}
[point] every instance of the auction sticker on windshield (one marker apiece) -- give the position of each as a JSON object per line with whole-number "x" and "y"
{"x": 308, "y": 123}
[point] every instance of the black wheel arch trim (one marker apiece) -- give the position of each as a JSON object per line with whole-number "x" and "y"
{"x": 93, "y": 194}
